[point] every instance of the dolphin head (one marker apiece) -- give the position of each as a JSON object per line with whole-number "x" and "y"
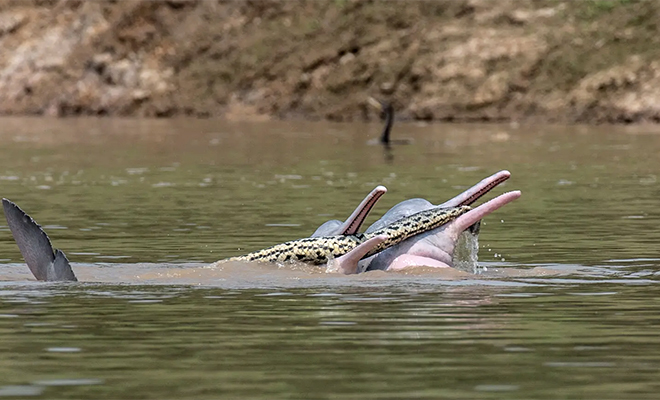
{"x": 434, "y": 248}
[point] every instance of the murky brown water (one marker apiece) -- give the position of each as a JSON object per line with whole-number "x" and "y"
{"x": 567, "y": 307}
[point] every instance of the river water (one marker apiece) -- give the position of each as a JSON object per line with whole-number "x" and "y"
{"x": 566, "y": 304}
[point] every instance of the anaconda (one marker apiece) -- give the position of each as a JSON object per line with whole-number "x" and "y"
{"x": 318, "y": 250}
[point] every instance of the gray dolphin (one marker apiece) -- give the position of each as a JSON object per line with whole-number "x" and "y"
{"x": 434, "y": 248}
{"x": 405, "y": 208}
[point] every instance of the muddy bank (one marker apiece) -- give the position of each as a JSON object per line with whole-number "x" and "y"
{"x": 463, "y": 60}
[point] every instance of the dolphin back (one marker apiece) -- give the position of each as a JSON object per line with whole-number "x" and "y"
{"x": 402, "y": 210}
{"x": 45, "y": 263}
{"x": 329, "y": 228}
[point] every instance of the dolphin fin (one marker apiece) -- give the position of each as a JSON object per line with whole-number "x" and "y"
{"x": 45, "y": 263}
{"x": 61, "y": 268}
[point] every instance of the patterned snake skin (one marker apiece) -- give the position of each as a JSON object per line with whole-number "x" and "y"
{"x": 317, "y": 250}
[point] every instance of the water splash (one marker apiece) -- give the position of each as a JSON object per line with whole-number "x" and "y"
{"x": 466, "y": 253}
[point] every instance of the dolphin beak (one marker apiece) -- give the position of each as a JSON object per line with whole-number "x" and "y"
{"x": 354, "y": 222}
{"x": 477, "y": 191}
{"x": 475, "y": 215}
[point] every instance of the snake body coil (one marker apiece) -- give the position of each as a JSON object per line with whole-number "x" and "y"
{"x": 317, "y": 250}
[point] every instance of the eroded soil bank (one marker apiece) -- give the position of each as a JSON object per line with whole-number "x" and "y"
{"x": 458, "y": 60}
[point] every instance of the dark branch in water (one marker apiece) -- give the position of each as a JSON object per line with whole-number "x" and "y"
{"x": 387, "y": 111}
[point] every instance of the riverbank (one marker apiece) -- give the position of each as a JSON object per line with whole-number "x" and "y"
{"x": 525, "y": 61}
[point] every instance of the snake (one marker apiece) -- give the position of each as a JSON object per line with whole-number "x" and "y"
{"x": 319, "y": 250}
